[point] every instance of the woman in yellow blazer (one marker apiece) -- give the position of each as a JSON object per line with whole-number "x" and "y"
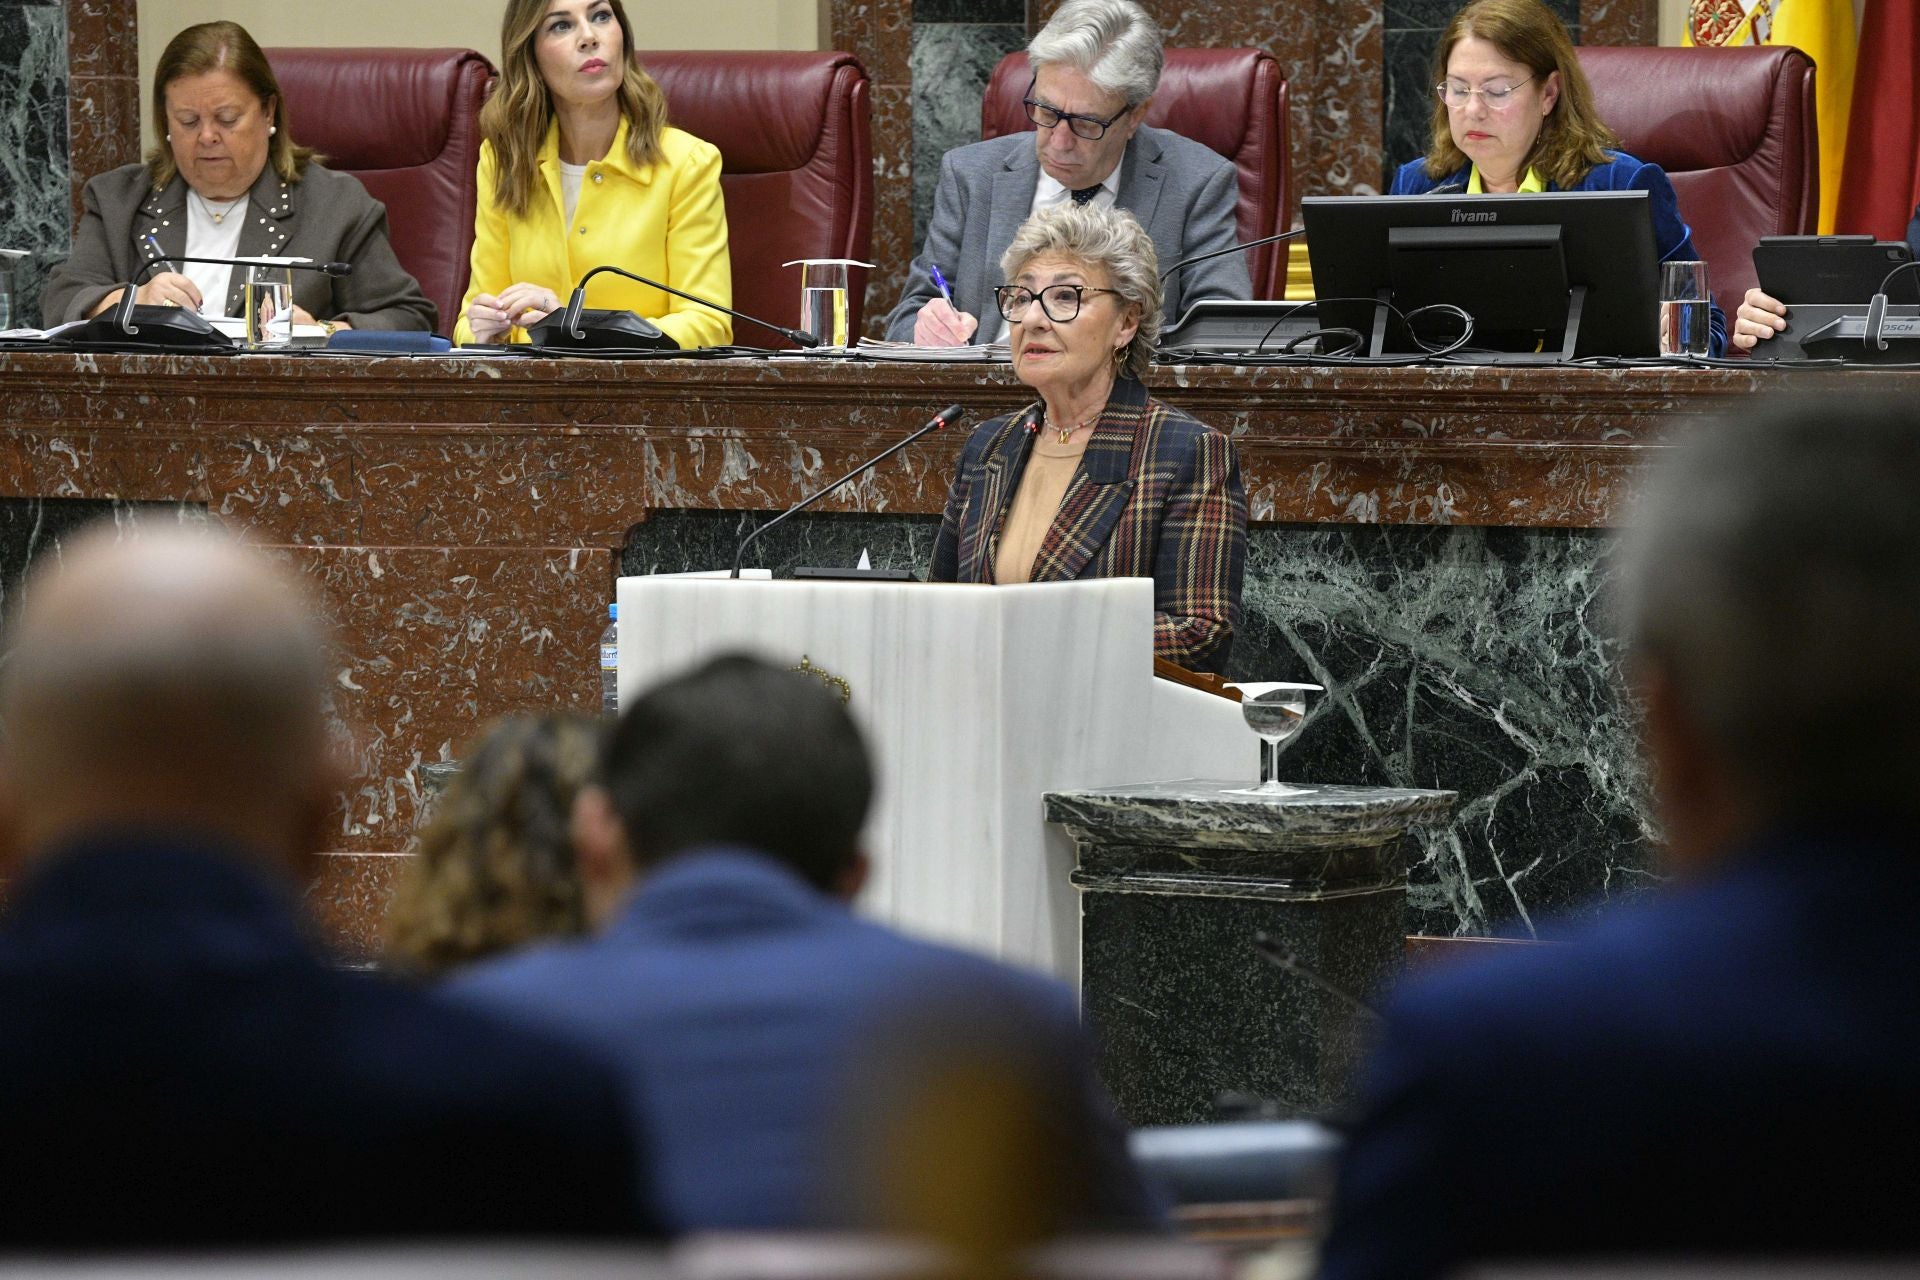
{"x": 578, "y": 169}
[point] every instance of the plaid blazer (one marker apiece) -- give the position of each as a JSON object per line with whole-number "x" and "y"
{"x": 1158, "y": 495}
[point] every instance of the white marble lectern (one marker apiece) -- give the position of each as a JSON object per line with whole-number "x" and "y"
{"x": 976, "y": 702}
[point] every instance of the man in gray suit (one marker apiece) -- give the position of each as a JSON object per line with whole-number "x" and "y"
{"x": 1095, "y": 68}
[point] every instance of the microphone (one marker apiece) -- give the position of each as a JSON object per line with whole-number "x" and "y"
{"x": 1184, "y": 263}
{"x": 580, "y": 330}
{"x": 945, "y": 418}
{"x": 175, "y": 326}
{"x": 1872, "y": 338}
{"x": 1284, "y": 960}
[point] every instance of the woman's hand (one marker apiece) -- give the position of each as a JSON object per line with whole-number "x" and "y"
{"x": 492, "y": 316}
{"x": 1759, "y": 317}
{"x": 170, "y": 289}
{"x": 302, "y": 316}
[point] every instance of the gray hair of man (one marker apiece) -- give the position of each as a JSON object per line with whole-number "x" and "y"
{"x": 1111, "y": 42}
{"x": 1773, "y": 578}
{"x": 1111, "y": 241}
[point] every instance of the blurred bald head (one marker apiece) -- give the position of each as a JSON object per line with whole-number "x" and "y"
{"x": 170, "y": 681}
{"x": 1771, "y": 591}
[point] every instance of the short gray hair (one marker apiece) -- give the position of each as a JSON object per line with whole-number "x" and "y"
{"x": 1111, "y": 42}
{"x": 1111, "y": 240}
{"x": 1773, "y": 576}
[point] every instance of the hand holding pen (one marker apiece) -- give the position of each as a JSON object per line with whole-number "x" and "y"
{"x": 941, "y": 323}
{"x": 164, "y": 288}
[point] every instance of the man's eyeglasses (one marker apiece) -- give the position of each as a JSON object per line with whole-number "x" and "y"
{"x": 1092, "y": 128}
{"x": 1497, "y": 98}
{"x": 1061, "y": 302}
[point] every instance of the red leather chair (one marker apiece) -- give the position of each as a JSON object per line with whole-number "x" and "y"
{"x": 1233, "y": 100}
{"x": 796, "y": 166}
{"x": 406, "y": 122}
{"x": 1734, "y": 129}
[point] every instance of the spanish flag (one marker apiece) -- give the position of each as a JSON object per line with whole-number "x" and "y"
{"x": 1821, "y": 29}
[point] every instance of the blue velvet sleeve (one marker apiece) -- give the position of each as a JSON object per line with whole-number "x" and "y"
{"x": 1410, "y": 179}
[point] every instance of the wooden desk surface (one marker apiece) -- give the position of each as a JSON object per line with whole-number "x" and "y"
{"x": 463, "y": 519}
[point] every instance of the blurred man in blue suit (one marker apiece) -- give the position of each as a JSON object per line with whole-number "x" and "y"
{"x": 180, "y": 1067}
{"x": 1728, "y": 1066}
{"x": 762, "y": 1025}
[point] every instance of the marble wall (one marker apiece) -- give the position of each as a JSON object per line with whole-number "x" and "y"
{"x": 1469, "y": 659}
{"x": 955, "y": 46}
{"x": 33, "y": 143}
{"x": 69, "y": 108}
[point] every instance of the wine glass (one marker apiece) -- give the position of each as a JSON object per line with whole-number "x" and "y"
{"x": 1275, "y": 710}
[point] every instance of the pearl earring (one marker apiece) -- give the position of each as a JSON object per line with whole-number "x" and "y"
{"x": 272, "y": 129}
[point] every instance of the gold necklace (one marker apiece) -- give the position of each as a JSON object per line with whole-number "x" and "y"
{"x": 1070, "y": 429}
{"x": 218, "y": 215}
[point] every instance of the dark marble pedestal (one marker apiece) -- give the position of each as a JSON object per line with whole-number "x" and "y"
{"x": 1177, "y": 878}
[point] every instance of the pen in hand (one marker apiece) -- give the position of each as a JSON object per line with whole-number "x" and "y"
{"x": 940, "y": 283}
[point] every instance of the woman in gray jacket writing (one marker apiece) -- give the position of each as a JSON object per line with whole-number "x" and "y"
{"x": 226, "y": 180}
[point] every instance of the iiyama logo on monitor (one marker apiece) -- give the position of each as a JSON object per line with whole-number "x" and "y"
{"x": 1465, "y": 215}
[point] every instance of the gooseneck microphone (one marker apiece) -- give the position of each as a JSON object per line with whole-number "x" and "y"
{"x": 945, "y": 418}
{"x": 1211, "y": 254}
{"x": 123, "y": 314}
{"x": 569, "y": 331}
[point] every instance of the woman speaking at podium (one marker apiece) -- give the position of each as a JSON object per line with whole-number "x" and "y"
{"x": 1098, "y": 479}
{"x": 579, "y": 169}
{"x": 1513, "y": 112}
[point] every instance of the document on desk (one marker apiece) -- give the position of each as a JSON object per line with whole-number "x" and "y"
{"x": 986, "y": 353}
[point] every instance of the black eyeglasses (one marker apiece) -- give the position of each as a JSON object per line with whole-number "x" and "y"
{"x": 1092, "y": 128}
{"x": 1061, "y": 302}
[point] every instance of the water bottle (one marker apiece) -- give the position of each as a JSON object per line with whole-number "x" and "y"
{"x": 610, "y": 663}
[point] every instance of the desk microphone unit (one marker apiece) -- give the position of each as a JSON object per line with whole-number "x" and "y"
{"x": 576, "y": 328}
{"x": 1217, "y": 326}
{"x": 1874, "y": 332}
{"x": 139, "y": 326}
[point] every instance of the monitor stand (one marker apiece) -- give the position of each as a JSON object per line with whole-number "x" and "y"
{"x": 1576, "y": 303}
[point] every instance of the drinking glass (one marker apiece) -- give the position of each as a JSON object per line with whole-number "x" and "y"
{"x": 823, "y": 297}
{"x": 269, "y": 306}
{"x": 1685, "y": 320}
{"x": 1275, "y": 711}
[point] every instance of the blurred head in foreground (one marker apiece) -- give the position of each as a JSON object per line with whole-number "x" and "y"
{"x": 174, "y": 681}
{"x": 1771, "y": 595}
{"x": 956, "y": 1093}
{"x": 496, "y": 868}
{"x": 733, "y": 753}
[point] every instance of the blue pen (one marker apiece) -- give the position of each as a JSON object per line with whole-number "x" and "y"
{"x": 154, "y": 245}
{"x": 940, "y": 282}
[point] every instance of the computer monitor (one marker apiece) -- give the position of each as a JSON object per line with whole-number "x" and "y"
{"x": 1546, "y": 276}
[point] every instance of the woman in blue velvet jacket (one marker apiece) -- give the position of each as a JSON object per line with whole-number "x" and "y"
{"x": 1513, "y": 112}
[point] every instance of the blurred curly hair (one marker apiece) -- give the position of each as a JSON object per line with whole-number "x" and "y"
{"x": 495, "y": 868}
